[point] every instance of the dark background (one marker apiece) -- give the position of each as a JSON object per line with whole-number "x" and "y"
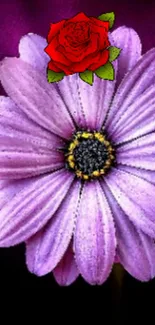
{"x": 17, "y": 18}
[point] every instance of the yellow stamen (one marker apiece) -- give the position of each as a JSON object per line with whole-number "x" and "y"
{"x": 85, "y": 177}
{"x": 96, "y": 173}
{"x": 73, "y": 145}
{"x": 79, "y": 173}
{"x": 86, "y": 135}
{"x": 99, "y": 137}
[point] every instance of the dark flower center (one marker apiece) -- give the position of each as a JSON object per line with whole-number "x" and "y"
{"x": 89, "y": 155}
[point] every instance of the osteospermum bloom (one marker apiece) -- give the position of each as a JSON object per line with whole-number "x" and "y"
{"x": 77, "y": 165}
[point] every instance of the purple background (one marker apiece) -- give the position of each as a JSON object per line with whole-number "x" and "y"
{"x": 19, "y": 17}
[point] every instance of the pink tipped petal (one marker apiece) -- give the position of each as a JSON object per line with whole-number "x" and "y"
{"x": 139, "y": 153}
{"x": 66, "y": 271}
{"x": 136, "y": 251}
{"x": 135, "y": 83}
{"x": 24, "y": 151}
{"x": 33, "y": 207}
{"x": 37, "y": 98}
{"x": 31, "y": 49}
{"x": 46, "y": 248}
{"x": 136, "y": 198}
{"x": 129, "y": 42}
{"x": 94, "y": 235}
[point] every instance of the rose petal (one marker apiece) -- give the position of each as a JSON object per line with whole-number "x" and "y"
{"x": 136, "y": 251}
{"x": 32, "y": 208}
{"x": 31, "y": 50}
{"x": 134, "y": 85}
{"x": 53, "y": 51}
{"x": 99, "y": 23}
{"x": 55, "y": 29}
{"x": 24, "y": 151}
{"x": 52, "y": 66}
{"x": 101, "y": 59}
{"x": 129, "y": 42}
{"x": 46, "y": 248}
{"x": 79, "y": 54}
{"x": 66, "y": 271}
{"x": 94, "y": 235}
{"x": 136, "y": 198}
{"x": 139, "y": 153}
{"x": 39, "y": 100}
{"x": 80, "y": 17}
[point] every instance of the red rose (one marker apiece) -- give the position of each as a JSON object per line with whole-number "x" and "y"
{"x": 78, "y": 44}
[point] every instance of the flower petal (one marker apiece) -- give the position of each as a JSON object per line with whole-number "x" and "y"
{"x": 138, "y": 120}
{"x": 136, "y": 198}
{"x": 136, "y": 251}
{"x": 94, "y": 235}
{"x": 24, "y": 151}
{"x": 148, "y": 175}
{"x": 66, "y": 271}
{"x": 89, "y": 105}
{"x": 32, "y": 207}
{"x": 46, "y": 248}
{"x": 40, "y": 101}
{"x": 133, "y": 85}
{"x": 129, "y": 42}
{"x": 9, "y": 189}
{"x": 31, "y": 50}
{"x": 139, "y": 153}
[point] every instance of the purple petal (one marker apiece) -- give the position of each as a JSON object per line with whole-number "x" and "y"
{"x": 46, "y": 248}
{"x": 31, "y": 49}
{"x": 148, "y": 175}
{"x": 139, "y": 153}
{"x": 94, "y": 235}
{"x": 133, "y": 85}
{"x": 66, "y": 271}
{"x": 88, "y": 104}
{"x": 136, "y": 251}
{"x": 36, "y": 97}
{"x": 129, "y": 43}
{"x": 136, "y": 198}
{"x": 138, "y": 120}
{"x": 23, "y": 150}
{"x": 9, "y": 189}
{"x": 94, "y": 101}
{"x": 33, "y": 207}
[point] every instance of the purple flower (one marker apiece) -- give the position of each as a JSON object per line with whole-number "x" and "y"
{"x": 77, "y": 165}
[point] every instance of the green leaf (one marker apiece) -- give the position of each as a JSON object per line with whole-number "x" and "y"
{"x": 87, "y": 76}
{"x": 114, "y": 52}
{"x": 53, "y": 76}
{"x": 110, "y": 16}
{"x": 106, "y": 72}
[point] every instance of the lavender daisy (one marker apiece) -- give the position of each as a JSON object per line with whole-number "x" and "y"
{"x": 77, "y": 165}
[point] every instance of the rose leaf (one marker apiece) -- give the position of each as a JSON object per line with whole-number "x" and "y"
{"x": 114, "y": 52}
{"x": 53, "y": 76}
{"x": 87, "y": 76}
{"x": 106, "y": 72}
{"x": 110, "y": 16}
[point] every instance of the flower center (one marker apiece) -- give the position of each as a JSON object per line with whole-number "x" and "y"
{"x": 89, "y": 155}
